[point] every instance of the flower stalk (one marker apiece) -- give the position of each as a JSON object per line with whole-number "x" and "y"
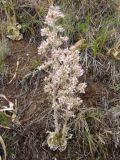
{"x": 62, "y": 83}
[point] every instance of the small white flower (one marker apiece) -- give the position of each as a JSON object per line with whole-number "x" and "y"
{"x": 60, "y": 29}
{"x": 81, "y": 87}
{"x": 45, "y": 31}
{"x": 64, "y": 38}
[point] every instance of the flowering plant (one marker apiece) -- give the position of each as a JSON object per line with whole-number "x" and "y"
{"x": 62, "y": 83}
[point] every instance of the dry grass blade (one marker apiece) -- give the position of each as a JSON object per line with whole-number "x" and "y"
{"x": 15, "y": 74}
{"x": 10, "y": 108}
{"x": 4, "y": 147}
{"x": 77, "y": 45}
{"x": 5, "y": 108}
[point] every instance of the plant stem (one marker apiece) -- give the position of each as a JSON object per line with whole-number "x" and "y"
{"x": 56, "y": 120}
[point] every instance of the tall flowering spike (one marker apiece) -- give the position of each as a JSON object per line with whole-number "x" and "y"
{"x": 53, "y": 14}
{"x": 62, "y": 81}
{"x": 52, "y": 30}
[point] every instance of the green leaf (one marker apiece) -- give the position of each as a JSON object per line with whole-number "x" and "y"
{"x": 83, "y": 26}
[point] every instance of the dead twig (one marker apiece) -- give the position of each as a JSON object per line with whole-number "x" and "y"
{"x": 4, "y": 147}
{"x": 15, "y": 74}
